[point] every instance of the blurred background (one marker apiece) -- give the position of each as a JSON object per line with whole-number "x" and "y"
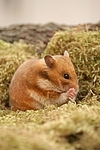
{"x": 70, "y": 12}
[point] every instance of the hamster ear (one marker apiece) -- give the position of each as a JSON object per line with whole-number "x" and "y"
{"x": 66, "y": 53}
{"x": 49, "y": 60}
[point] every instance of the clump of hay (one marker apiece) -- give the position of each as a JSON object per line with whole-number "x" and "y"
{"x": 84, "y": 49}
{"x": 11, "y": 56}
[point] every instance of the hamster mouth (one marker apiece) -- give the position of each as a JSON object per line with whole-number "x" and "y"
{"x": 71, "y": 92}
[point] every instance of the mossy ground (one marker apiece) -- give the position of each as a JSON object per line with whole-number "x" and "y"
{"x": 69, "y": 127}
{"x": 72, "y": 127}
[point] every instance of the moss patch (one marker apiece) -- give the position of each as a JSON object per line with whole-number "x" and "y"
{"x": 11, "y": 56}
{"x": 84, "y": 49}
{"x": 67, "y": 127}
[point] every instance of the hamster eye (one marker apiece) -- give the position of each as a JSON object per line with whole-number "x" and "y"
{"x": 66, "y": 76}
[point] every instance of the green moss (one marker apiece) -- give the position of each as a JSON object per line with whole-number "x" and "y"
{"x": 67, "y": 127}
{"x": 11, "y": 56}
{"x": 84, "y": 49}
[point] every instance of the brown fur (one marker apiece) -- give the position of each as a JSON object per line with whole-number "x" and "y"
{"x": 40, "y": 82}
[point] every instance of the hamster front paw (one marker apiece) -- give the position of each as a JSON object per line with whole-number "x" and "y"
{"x": 71, "y": 94}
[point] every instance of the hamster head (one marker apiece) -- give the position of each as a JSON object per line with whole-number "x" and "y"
{"x": 58, "y": 74}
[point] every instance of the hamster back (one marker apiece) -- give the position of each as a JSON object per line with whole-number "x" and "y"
{"x": 40, "y": 82}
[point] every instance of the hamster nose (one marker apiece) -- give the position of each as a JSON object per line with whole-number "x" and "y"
{"x": 76, "y": 88}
